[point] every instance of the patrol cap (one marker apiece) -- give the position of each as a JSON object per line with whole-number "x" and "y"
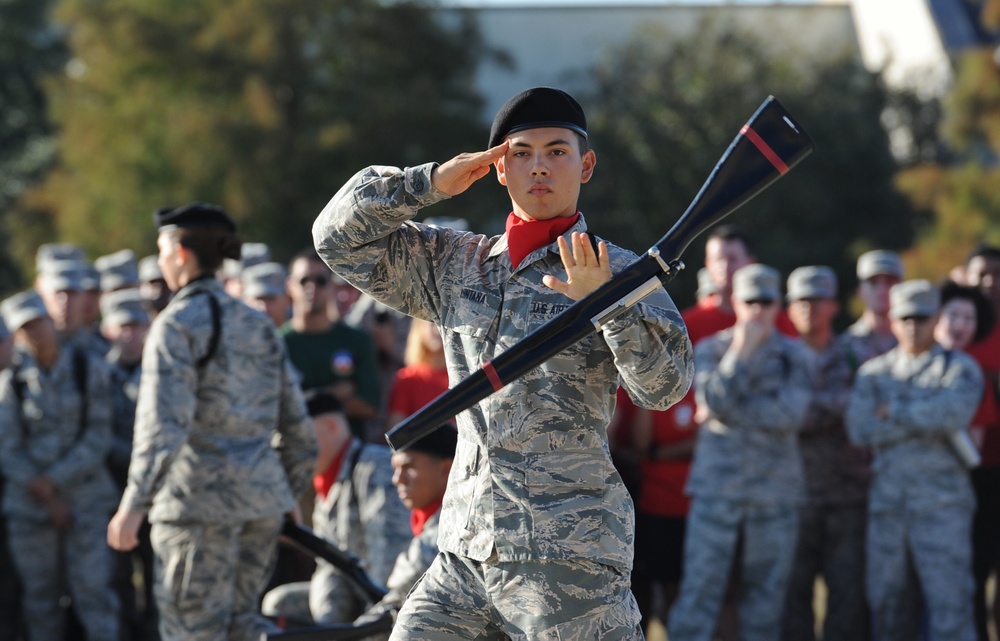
{"x": 254, "y": 254}
{"x": 705, "y": 285}
{"x": 756, "y": 282}
{"x": 63, "y": 275}
{"x": 814, "y": 281}
{"x": 22, "y": 308}
{"x": 440, "y": 443}
{"x": 877, "y": 262}
{"x": 53, "y": 252}
{"x": 194, "y": 214}
{"x": 913, "y": 298}
{"x": 264, "y": 279}
{"x": 149, "y": 269}
{"x": 122, "y": 307}
{"x": 118, "y": 270}
{"x": 535, "y": 108}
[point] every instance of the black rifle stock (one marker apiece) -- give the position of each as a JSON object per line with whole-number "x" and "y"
{"x": 767, "y": 147}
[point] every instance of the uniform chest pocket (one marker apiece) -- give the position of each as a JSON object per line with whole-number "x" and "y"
{"x": 473, "y": 313}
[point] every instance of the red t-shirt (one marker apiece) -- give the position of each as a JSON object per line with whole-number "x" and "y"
{"x": 987, "y": 354}
{"x": 415, "y": 386}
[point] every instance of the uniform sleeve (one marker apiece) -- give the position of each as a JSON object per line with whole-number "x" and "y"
{"x": 771, "y": 391}
{"x": 362, "y": 236}
{"x": 652, "y": 352}
{"x": 864, "y": 427}
{"x": 15, "y": 464}
{"x": 91, "y": 448}
{"x": 384, "y": 518}
{"x": 295, "y": 439}
{"x": 165, "y": 412}
{"x": 410, "y": 566}
{"x": 943, "y": 408}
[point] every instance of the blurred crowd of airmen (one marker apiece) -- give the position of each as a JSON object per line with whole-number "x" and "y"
{"x": 798, "y": 455}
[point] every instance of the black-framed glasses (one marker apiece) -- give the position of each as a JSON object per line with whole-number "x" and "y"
{"x": 320, "y": 281}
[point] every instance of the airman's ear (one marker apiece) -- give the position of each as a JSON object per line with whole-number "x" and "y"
{"x": 500, "y": 164}
{"x": 589, "y": 163}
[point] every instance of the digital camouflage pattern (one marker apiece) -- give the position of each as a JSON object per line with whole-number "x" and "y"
{"x": 747, "y": 483}
{"x": 230, "y": 441}
{"x": 922, "y": 499}
{"x": 747, "y": 449}
{"x": 413, "y": 562}
{"x": 526, "y": 483}
{"x": 40, "y": 436}
{"x": 124, "y": 394}
{"x": 861, "y": 344}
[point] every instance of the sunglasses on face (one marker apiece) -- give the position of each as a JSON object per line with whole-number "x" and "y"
{"x": 320, "y": 281}
{"x": 763, "y": 302}
{"x": 916, "y": 319}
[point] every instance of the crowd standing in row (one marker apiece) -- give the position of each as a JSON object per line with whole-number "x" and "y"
{"x": 797, "y": 454}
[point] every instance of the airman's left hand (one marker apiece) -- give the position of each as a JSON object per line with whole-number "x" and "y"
{"x": 585, "y": 270}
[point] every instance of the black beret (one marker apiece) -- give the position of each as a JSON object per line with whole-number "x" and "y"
{"x": 321, "y": 402}
{"x": 535, "y": 108}
{"x": 194, "y": 215}
{"x": 440, "y": 443}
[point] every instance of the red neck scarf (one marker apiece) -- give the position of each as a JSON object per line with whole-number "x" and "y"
{"x": 324, "y": 481}
{"x": 419, "y": 518}
{"x": 525, "y": 236}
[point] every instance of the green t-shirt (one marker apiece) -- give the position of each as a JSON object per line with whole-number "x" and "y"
{"x": 339, "y": 354}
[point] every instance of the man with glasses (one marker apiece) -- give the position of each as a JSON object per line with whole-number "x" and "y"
{"x": 752, "y": 386}
{"x": 907, "y": 405}
{"x": 326, "y": 352}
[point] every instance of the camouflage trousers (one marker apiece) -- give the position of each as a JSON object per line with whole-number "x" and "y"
{"x": 832, "y": 545}
{"x": 717, "y": 530}
{"x": 458, "y": 598}
{"x": 209, "y": 578}
{"x": 931, "y": 549}
{"x": 52, "y": 564}
{"x": 329, "y": 597}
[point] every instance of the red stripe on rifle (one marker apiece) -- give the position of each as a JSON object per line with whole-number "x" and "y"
{"x": 765, "y": 149}
{"x": 492, "y": 375}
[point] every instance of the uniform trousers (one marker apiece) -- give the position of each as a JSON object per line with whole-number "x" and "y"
{"x": 210, "y": 576}
{"x": 832, "y": 545}
{"x": 717, "y": 528}
{"x": 52, "y": 564}
{"x": 931, "y": 549}
{"x": 458, "y": 598}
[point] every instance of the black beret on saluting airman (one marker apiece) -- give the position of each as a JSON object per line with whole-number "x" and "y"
{"x": 536, "y": 108}
{"x": 194, "y": 215}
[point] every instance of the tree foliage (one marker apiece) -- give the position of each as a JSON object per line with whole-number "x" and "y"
{"x": 666, "y": 110}
{"x": 29, "y": 49}
{"x": 263, "y": 106}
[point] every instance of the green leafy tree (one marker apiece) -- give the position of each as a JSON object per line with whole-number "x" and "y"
{"x": 667, "y": 109}
{"x": 263, "y": 106}
{"x": 30, "y": 49}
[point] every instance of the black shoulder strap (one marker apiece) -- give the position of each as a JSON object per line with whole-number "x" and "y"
{"x": 213, "y": 342}
{"x": 350, "y": 474}
{"x": 80, "y": 376}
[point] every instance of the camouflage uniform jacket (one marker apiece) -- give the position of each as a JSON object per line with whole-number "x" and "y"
{"x": 40, "y": 435}
{"x": 928, "y": 397}
{"x": 413, "y": 562}
{"x": 837, "y": 472}
{"x": 747, "y": 450}
{"x": 861, "y": 344}
{"x": 225, "y": 442}
{"x": 362, "y": 512}
{"x": 124, "y": 394}
{"x": 532, "y": 477}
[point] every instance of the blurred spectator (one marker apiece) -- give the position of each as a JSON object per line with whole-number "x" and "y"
{"x": 420, "y": 474}
{"x": 871, "y": 335}
{"x": 91, "y": 306}
{"x": 325, "y": 351}
{"x": 264, "y": 290}
{"x": 831, "y": 540}
{"x": 231, "y": 273}
{"x": 118, "y": 270}
{"x": 753, "y": 386}
{"x": 10, "y": 586}
{"x": 153, "y": 289}
{"x": 425, "y": 376}
{"x": 357, "y": 509}
{"x": 982, "y": 270}
{"x": 908, "y": 405}
{"x": 55, "y": 407}
{"x": 125, "y": 324}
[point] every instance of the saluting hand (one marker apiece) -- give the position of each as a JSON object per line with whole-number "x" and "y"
{"x": 585, "y": 270}
{"x": 458, "y": 174}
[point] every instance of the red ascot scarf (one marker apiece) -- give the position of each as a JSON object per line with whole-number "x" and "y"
{"x": 419, "y": 518}
{"x": 525, "y": 236}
